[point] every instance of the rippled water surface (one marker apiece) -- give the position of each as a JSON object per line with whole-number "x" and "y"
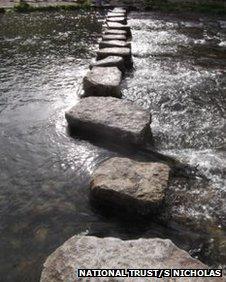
{"x": 180, "y": 75}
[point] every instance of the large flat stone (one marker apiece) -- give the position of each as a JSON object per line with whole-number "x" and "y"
{"x": 103, "y": 81}
{"x": 115, "y": 15}
{"x": 107, "y": 37}
{"x": 121, "y": 20}
{"x": 125, "y": 53}
{"x": 119, "y": 26}
{"x": 117, "y": 120}
{"x": 112, "y": 61}
{"x": 89, "y": 252}
{"x": 114, "y": 43}
{"x": 119, "y": 10}
{"x": 115, "y": 32}
{"x": 130, "y": 185}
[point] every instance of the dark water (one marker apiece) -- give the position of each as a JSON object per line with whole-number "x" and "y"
{"x": 180, "y": 75}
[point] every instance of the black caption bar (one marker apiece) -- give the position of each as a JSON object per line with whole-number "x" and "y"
{"x": 158, "y": 273}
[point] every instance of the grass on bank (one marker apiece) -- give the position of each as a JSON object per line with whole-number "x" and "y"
{"x": 215, "y": 8}
{"x": 24, "y": 7}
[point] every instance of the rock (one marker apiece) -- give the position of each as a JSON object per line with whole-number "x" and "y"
{"x": 114, "y": 37}
{"x": 130, "y": 185}
{"x": 89, "y": 252}
{"x": 119, "y": 10}
{"x": 117, "y": 120}
{"x": 114, "y": 43}
{"x": 115, "y": 32}
{"x": 125, "y": 53}
{"x": 119, "y": 26}
{"x": 103, "y": 81}
{"x": 121, "y": 20}
{"x": 112, "y": 61}
{"x": 115, "y": 15}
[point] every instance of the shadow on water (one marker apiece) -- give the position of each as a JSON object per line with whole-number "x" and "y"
{"x": 45, "y": 174}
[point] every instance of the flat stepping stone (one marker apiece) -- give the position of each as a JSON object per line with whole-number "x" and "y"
{"x": 114, "y": 15}
{"x": 119, "y": 10}
{"x": 114, "y": 43}
{"x": 121, "y": 20}
{"x": 119, "y": 26}
{"x": 110, "y": 118}
{"x": 90, "y": 252}
{"x": 125, "y": 53}
{"x": 112, "y": 61}
{"x": 113, "y": 37}
{"x": 115, "y": 32}
{"x": 103, "y": 81}
{"x": 133, "y": 186}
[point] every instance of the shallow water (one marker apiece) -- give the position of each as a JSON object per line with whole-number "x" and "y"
{"x": 44, "y": 199}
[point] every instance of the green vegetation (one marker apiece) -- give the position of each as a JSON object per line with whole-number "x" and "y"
{"x": 214, "y": 8}
{"x": 24, "y": 7}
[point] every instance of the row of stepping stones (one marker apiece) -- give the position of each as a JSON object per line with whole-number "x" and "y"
{"x": 121, "y": 182}
{"x": 117, "y": 182}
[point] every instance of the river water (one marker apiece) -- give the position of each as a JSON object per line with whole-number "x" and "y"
{"x": 180, "y": 67}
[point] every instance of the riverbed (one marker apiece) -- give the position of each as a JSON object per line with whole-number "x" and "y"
{"x": 180, "y": 67}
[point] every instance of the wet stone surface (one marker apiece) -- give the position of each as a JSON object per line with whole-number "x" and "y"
{"x": 111, "y": 61}
{"x": 135, "y": 187}
{"x": 125, "y": 53}
{"x": 103, "y": 81}
{"x": 114, "y": 43}
{"x": 110, "y": 253}
{"x": 111, "y": 118}
{"x": 114, "y": 37}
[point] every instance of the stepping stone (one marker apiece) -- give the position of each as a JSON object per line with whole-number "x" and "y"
{"x": 115, "y": 32}
{"x": 103, "y": 81}
{"x": 119, "y": 10}
{"x": 112, "y": 61}
{"x": 114, "y": 43}
{"x": 90, "y": 252}
{"x": 113, "y": 119}
{"x": 137, "y": 187}
{"x": 114, "y": 15}
{"x": 116, "y": 51}
{"x": 113, "y": 37}
{"x": 121, "y": 20}
{"x": 119, "y": 27}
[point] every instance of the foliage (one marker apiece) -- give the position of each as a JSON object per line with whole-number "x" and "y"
{"x": 164, "y": 5}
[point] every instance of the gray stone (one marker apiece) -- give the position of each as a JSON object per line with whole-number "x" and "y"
{"x": 113, "y": 37}
{"x": 130, "y": 185}
{"x": 115, "y": 15}
{"x": 119, "y": 26}
{"x": 121, "y": 20}
{"x": 115, "y": 32}
{"x": 112, "y": 61}
{"x": 117, "y": 120}
{"x": 103, "y": 81}
{"x": 114, "y": 43}
{"x": 89, "y": 252}
{"x": 119, "y": 10}
{"x": 125, "y": 53}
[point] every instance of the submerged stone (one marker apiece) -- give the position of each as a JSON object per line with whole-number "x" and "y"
{"x": 119, "y": 121}
{"x": 103, "y": 81}
{"x": 115, "y": 32}
{"x": 114, "y": 37}
{"x": 114, "y": 43}
{"x": 111, "y": 61}
{"x": 130, "y": 185}
{"x": 121, "y": 20}
{"x": 123, "y": 52}
{"x": 89, "y": 252}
